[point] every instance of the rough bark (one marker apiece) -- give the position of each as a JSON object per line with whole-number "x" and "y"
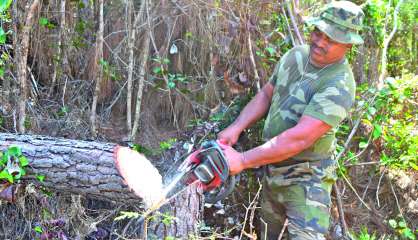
{"x": 57, "y": 62}
{"x": 131, "y": 41}
{"x": 22, "y": 55}
{"x": 87, "y": 168}
{"x": 98, "y": 56}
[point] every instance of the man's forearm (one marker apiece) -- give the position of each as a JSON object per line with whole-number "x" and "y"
{"x": 288, "y": 144}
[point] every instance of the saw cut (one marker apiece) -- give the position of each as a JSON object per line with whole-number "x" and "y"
{"x": 139, "y": 174}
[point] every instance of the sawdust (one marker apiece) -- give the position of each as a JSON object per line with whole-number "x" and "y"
{"x": 140, "y": 175}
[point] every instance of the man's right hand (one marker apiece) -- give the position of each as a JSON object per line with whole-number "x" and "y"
{"x": 229, "y": 135}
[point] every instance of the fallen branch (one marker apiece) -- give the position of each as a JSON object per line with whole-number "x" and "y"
{"x": 340, "y": 210}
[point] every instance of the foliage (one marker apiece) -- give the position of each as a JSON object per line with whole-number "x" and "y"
{"x": 127, "y": 215}
{"x": 12, "y": 164}
{"x": 400, "y": 227}
{"x": 364, "y": 235}
{"x": 378, "y": 22}
{"x": 391, "y": 116}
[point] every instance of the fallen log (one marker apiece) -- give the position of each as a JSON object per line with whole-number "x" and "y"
{"x": 87, "y": 168}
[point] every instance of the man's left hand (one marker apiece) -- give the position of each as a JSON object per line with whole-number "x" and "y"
{"x": 235, "y": 159}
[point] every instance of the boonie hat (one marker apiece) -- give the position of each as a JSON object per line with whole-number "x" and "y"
{"x": 341, "y": 21}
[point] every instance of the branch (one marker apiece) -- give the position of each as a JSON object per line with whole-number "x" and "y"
{"x": 386, "y": 44}
{"x": 293, "y": 21}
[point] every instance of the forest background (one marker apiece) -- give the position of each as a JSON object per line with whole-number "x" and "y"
{"x": 152, "y": 72}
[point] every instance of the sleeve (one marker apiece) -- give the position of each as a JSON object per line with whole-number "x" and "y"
{"x": 332, "y": 102}
{"x": 279, "y": 67}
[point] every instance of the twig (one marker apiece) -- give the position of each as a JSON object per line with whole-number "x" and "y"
{"x": 265, "y": 228}
{"x": 367, "y": 187}
{"x": 386, "y": 43}
{"x": 353, "y": 131}
{"x": 250, "y": 47}
{"x": 353, "y": 189}
{"x": 250, "y": 207}
{"x": 293, "y": 21}
{"x": 340, "y": 209}
{"x": 286, "y": 222}
{"x": 396, "y": 199}
{"x": 378, "y": 186}
{"x": 288, "y": 26}
{"x": 361, "y": 164}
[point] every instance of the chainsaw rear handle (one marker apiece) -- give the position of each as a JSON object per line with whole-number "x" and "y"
{"x": 218, "y": 184}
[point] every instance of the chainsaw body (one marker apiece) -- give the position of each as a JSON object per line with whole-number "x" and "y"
{"x": 209, "y": 165}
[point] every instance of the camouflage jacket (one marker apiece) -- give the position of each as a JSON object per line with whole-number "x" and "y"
{"x": 301, "y": 89}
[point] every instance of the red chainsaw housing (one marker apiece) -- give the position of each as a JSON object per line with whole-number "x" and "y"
{"x": 194, "y": 159}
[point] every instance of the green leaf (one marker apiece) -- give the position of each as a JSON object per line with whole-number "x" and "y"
{"x": 40, "y": 178}
{"x": 23, "y": 161}
{"x": 43, "y": 21}
{"x": 38, "y": 229}
{"x": 362, "y": 144}
{"x": 377, "y": 131}
{"x": 127, "y": 215}
{"x": 1, "y": 73}
{"x": 157, "y": 70}
{"x": 393, "y": 223}
{"x": 171, "y": 85}
{"x": 6, "y": 175}
{"x": 402, "y": 224}
{"x": 166, "y": 61}
{"x": 5, "y": 157}
{"x": 271, "y": 50}
{"x": 4, "y": 5}
{"x": 14, "y": 151}
{"x": 2, "y": 35}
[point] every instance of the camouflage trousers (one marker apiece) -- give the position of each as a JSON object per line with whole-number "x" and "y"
{"x": 300, "y": 193}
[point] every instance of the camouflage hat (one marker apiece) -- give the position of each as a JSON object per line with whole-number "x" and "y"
{"x": 341, "y": 21}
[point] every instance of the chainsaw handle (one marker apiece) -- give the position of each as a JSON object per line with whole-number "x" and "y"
{"x": 223, "y": 193}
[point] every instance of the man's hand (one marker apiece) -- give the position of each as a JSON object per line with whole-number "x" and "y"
{"x": 235, "y": 159}
{"x": 229, "y": 135}
{"x": 251, "y": 113}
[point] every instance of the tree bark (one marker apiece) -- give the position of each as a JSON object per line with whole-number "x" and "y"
{"x": 98, "y": 56}
{"x": 87, "y": 168}
{"x": 131, "y": 41}
{"x": 22, "y": 56}
{"x": 142, "y": 71}
{"x": 58, "y": 60}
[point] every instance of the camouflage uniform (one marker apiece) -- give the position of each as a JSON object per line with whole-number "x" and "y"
{"x": 299, "y": 188}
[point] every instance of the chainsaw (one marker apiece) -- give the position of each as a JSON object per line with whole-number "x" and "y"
{"x": 209, "y": 167}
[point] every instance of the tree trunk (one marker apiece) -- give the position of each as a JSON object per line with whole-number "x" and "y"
{"x": 87, "y": 168}
{"x": 58, "y": 62}
{"x": 142, "y": 71}
{"x": 97, "y": 58}
{"x": 22, "y": 55}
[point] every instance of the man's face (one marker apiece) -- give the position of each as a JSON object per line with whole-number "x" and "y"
{"x": 324, "y": 50}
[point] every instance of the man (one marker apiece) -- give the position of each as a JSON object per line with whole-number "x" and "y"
{"x": 308, "y": 95}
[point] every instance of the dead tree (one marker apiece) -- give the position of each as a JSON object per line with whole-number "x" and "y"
{"x": 22, "y": 49}
{"x": 99, "y": 73}
{"x": 87, "y": 168}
